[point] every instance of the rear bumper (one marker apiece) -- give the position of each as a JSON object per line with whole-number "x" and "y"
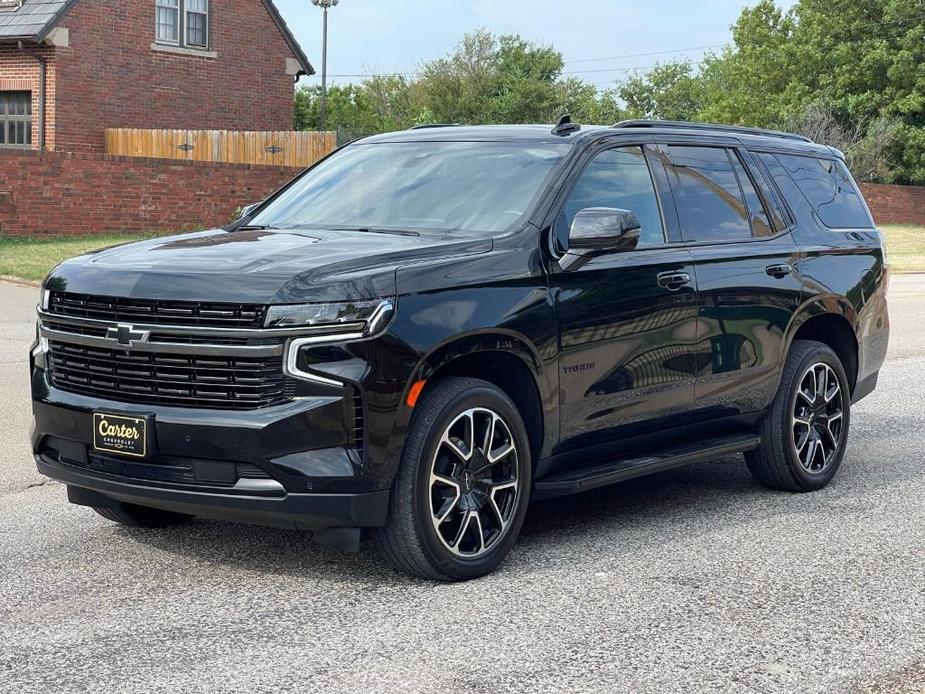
{"x": 288, "y": 510}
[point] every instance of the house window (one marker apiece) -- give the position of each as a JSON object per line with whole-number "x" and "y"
{"x": 15, "y": 119}
{"x": 183, "y": 22}
{"x": 168, "y": 21}
{"x": 197, "y": 23}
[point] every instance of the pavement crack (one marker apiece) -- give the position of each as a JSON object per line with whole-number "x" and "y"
{"x": 31, "y": 485}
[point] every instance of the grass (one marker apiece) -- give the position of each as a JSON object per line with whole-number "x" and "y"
{"x": 905, "y": 244}
{"x": 31, "y": 259}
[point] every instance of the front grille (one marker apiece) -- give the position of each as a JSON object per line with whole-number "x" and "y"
{"x": 228, "y": 383}
{"x": 157, "y": 312}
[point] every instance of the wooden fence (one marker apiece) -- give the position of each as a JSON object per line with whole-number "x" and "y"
{"x": 295, "y": 149}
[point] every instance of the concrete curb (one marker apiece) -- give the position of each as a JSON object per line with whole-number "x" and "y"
{"x": 16, "y": 280}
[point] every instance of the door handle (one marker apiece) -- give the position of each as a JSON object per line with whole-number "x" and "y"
{"x": 779, "y": 271}
{"x": 673, "y": 281}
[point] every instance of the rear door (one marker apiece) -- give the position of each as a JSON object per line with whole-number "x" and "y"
{"x": 627, "y": 320}
{"x": 746, "y": 265}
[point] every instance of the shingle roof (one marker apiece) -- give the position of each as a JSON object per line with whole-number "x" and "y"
{"x": 290, "y": 39}
{"x": 35, "y": 18}
{"x": 31, "y": 21}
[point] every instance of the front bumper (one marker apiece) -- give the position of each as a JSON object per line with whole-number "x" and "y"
{"x": 300, "y": 511}
{"x": 296, "y": 465}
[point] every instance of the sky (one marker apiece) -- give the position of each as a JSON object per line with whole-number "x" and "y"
{"x": 384, "y": 36}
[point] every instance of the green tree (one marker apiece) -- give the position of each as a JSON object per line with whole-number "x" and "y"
{"x": 668, "y": 92}
{"x": 860, "y": 58}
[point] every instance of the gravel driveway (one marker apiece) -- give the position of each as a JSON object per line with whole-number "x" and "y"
{"x": 695, "y": 580}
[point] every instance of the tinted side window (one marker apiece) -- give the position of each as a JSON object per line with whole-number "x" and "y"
{"x": 789, "y": 190}
{"x": 780, "y": 219}
{"x": 707, "y": 194}
{"x": 829, "y": 189}
{"x": 617, "y": 178}
{"x": 759, "y": 218}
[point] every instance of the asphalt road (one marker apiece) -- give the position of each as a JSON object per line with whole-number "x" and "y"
{"x": 697, "y": 580}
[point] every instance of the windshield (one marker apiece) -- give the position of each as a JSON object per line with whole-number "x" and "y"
{"x": 417, "y": 186}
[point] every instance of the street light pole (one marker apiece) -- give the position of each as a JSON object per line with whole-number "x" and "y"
{"x": 325, "y": 5}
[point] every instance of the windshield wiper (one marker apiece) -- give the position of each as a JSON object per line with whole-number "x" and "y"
{"x": 254, "y": 227}
{"x": 378, "y": 230}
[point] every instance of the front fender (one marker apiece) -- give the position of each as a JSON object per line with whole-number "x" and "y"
{"x": 440, "y": 327}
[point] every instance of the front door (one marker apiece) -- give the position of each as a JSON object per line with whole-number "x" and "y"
{"x": 627, "y": 320}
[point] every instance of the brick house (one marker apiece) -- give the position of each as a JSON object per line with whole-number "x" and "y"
{"x": 97, "y": 64}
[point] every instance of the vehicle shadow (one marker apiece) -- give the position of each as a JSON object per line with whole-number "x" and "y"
{"x": 699, "y": 496}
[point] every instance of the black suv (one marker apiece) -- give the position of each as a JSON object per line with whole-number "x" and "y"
{"x": 429, "y": 328}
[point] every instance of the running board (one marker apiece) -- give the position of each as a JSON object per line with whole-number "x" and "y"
{"x": 602, "y": 474}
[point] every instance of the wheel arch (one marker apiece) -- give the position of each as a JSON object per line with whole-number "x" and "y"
{"x": 832, "y": 321}
{"x": 503, "y": 358}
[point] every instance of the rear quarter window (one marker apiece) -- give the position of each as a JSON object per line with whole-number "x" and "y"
{"x": 828, "y": 187}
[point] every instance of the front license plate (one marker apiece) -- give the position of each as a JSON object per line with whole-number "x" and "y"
{"x": 117, "y": 434}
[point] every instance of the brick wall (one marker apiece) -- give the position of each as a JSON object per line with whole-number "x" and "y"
{"x": 19, "y": 72}
{"x": 84, "y": 193}
{"x": 895, "y": 204}
{"x": 110, "y": 76}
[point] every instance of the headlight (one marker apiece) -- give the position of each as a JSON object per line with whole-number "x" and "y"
{"x": 366, "y": 317}
{"x": 349, "y": 320}
{"x": 41, "y": 343}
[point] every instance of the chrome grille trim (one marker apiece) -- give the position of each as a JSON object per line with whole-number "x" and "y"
{"x": 194, "y": 330}
{"x": 271, "y": 350}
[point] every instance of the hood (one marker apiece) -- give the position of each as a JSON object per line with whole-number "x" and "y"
{"x": 255, "y": 266}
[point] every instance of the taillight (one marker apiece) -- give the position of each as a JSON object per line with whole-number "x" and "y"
{"x": 886, "y": 261}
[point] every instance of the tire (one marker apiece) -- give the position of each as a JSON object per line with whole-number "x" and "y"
{"x": 437, "y": 490}
{"x": 781, "y": 462}
{"x": 141, "y": 516}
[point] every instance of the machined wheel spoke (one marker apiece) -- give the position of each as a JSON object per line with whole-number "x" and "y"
{"x": 809, "y": 398}
{"x": 463, "y": 527}
{"x": 821, "y": 378}
{"x": 493, "y": 503}
{"x": 807, "y": 451}
{"x": 446, "y": 509}
{"x": 478, "y": 527}
{"x": 489, "y": 433}
{"x": 833, "y": 440}
{"x": 500, "y": 453}
{"x": 465, "y": 446}
{"x": 444, "y": 480}
{"x": 806, "y": 458}
{"x": 501, "y": 486}
{"x": 821, "y": 449}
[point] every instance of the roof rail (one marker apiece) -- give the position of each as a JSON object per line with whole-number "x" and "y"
{"x": 742, "y": 130}
{"x": 424, "y": 126}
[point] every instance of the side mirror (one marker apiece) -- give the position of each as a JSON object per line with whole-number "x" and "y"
{"x": 597, "y": 230}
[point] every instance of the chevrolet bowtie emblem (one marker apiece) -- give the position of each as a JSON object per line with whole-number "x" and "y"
{"x": 127, "y": 336}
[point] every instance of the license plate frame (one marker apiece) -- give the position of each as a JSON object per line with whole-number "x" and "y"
{"x": 119, "y": 434}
